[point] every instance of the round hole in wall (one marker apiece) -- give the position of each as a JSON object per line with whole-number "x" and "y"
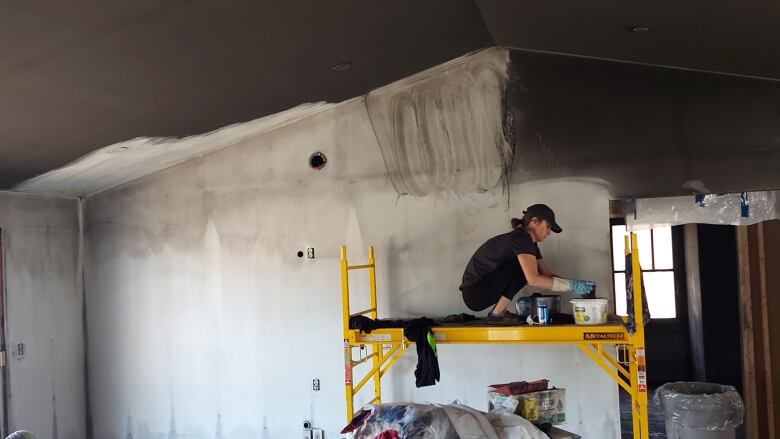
{"x": 300, "y": 254}
{"x": 317, "y": 161}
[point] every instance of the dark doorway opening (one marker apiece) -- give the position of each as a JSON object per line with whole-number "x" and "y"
{"x": 676, "y": 349}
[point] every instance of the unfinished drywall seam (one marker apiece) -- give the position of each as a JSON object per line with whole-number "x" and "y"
{"x": 80, "y": 267}
{"x": 643, "y": 64}
{"x": 445, "y": 130}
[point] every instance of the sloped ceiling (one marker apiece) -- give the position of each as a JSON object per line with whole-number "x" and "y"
{"x": 79, "y": 75}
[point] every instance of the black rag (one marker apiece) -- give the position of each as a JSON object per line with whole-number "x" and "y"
{"x": 458, "y": 318}
{"x": 631, "y": 323}
{"x": 419, "y": 331}
{"x": 367, "y": 324}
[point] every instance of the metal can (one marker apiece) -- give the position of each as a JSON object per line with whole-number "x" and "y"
{"x": 543, "y": 314}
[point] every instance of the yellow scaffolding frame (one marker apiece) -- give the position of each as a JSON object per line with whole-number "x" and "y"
{"x": 590, "y": 339}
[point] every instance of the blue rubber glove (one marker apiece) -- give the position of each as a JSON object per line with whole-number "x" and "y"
{"x": 582, "y": 287}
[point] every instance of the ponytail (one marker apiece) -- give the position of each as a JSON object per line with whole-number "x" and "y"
{"x": 521, "y": 222}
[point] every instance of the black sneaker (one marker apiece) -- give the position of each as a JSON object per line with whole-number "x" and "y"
{"x": 507, "y": 319}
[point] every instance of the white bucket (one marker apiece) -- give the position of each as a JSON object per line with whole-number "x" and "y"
{"x": 589, "y": 311}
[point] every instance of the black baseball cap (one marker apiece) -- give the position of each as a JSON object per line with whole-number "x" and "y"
{"x": 543, "y": 212}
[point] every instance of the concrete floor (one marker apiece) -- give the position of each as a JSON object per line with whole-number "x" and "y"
{"x": 656, "y": 417}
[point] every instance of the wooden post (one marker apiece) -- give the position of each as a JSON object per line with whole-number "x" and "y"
{"x": 765, "y": 328}
{"x": 746, "y": 327}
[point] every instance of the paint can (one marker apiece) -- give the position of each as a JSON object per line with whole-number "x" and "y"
{"x": 552, "y": 301}
{"x": 590, "y": 311}
{"x": 543, "y": 314}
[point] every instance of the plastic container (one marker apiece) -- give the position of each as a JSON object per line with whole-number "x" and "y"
{"x": 589, "y": 311}
{"x": 700, "y": 410}
{"x": 523, "y": 307}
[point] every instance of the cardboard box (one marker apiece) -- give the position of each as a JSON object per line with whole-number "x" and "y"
{"x": 557, "y": 433}
{"x": 543, "y": 407}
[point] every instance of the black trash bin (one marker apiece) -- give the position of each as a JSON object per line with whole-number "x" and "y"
{"x": 700, "y": 410}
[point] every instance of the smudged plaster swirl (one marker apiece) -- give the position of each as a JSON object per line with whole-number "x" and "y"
{"x": 443, "y": 130}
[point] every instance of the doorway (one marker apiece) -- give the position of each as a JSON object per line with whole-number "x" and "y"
{"x": 667, "y": 337}
{"x": 692, "y": 286}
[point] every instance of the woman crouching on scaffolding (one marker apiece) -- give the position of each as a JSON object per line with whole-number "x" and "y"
{"x": 506, "y": 263}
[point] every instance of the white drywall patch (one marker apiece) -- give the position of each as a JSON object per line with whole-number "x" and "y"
{"x": 442, "y": 130}
{"x": 126, "y": 161}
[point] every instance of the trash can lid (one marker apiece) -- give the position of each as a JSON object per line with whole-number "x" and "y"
{"x": 702, "y": 406}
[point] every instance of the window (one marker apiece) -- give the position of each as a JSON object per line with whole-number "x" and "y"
{"x": 657, "y": 262}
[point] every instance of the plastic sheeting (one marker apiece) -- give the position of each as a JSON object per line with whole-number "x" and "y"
{"x": 700, "y": 406}
{"x": 737, "y": 209}
{"x": 434, "y": 421}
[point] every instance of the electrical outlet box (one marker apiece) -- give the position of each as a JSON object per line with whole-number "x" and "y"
{"x": 307, "y": 434}
{"x": 317, "y": 434}
{"x": 310, "y": 252}
{"x": 315, "y": 385}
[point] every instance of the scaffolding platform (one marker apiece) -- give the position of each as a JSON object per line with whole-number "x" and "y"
{"x": 620, "y": 354}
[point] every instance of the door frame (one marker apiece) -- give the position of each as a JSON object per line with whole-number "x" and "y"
{"x": 4, "y": 369}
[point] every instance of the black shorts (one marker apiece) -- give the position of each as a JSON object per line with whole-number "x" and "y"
{"x": 506, "y": 280}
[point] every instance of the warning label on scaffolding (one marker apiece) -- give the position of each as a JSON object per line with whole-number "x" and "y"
{"x": 603, "y": 336}
{"x": 641, "y": 380}
{"x": 375, "y": 337}
{"x": 640, "y": 357}
{"x": 347, "y": 364}
{"x": 641, "y": 372}
{"x": 347, "y": 376}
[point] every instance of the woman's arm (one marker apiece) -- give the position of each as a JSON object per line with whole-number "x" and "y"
{"x": 532, "y": 270}
{"x": 544, "y": 269}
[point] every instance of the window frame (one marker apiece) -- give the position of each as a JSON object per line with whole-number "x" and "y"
{"x": 678, "y": 268}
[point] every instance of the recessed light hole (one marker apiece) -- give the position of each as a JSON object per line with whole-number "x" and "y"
{"x": 341, "y": 66}
{"x": 641, "y": 30}
{"x": 317, "y": 161}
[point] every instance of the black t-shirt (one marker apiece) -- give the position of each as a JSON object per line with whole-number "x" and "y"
{"x": 495, "y": 252}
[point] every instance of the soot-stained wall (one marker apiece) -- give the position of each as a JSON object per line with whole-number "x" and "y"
{"x": 205, "y": 323}
{"x": 647, "y": 131}
{"x": 208, "y": 324}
